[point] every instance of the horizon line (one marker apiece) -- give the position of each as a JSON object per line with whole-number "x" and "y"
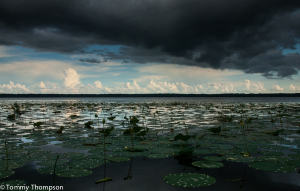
{"x": 6, "y": 95}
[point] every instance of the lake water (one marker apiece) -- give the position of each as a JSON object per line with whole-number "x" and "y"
{"x": 266, "y": 129}
{"x": 169, "y": 99}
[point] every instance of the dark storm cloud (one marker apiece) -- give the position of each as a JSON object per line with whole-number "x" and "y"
{"x": 90, "y": 60}
{"x": 220, "y": 34}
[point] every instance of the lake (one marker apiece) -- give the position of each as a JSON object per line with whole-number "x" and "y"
{"x": 230, "y": 143}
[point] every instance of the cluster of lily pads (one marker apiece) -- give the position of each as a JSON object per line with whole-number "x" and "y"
{"x": 265, "y": 136}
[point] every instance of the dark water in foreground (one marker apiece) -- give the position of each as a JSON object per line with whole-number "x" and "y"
{"x": 147, "y": 175}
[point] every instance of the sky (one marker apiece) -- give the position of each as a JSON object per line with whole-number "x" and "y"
{"x": 149, "y": 46}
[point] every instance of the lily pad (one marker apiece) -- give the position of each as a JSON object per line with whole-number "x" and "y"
{"x": 6, "y": 173}
{"x": 118, "y": 159}
{"x": 52, "y": 162}
{"x": 49, "y": 169}
{"x": 295, "y": 156}
{"x": 272, "y": 166}
{"x": 208, "y": 164}
{"x": 14, "y": 183}
{"x": 190, "y": 180}
{"x": 202, "y": 152}
{"x": 275, "y": 158}
{"x": 10, "y": 164}
{"x": 74, "y": 173}
{"x": 271, "y": 153}
{"x": 212, "y": 158}
{"x": 294, "y": 163}
{"x": 87, "y": 163}
{"x": 240, "y": 158}
{"x": 158, "y": 156}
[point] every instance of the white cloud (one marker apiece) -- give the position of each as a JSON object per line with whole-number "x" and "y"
{"x": 72, "y": 84}
{"x": 258, "y": 87}
{"x": 162, "y": 87}
{"x": 277, "y": 88}
{"x": 42, "y": 85}
{"x": 71, "y": 79}
{"x": 132, "y": 88}
{"x": 13, "y": 88}
{"x": 184, "y": 88}
{"x": 199, "y": 86}
{"x": 247, "y": 84}
{"x": 253, "y": 87}
{"x": 215, "y": 88}
{"x": 292, "y": 87}
{"x": 231, "y": 89}
{"x": 98, "y": 84}
{"x": 108, "y": 90}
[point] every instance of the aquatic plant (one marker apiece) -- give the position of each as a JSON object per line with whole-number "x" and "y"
{"x": 278, "y": 132}
{"x": 248, "y": 121}
{"x": 37, "y": 124}
{"x": 186, "y": 131}
{"x": 11, "y": 117}
{"x": 111, "y": 118}
{"x": 188, "y": 151}
{"x": 54, "y": 170}
{"x": 216, "y": 130}
{"x": 74, "y": 116}
{"x": 133, "y": 120}
{"x": 190, "y": 180}
{"x": 243, "y": 131}
{"x": 88, "y": 124}
{"x": 60, "y": 130}
{"x": 181, "y": 137}
{"x": 103, "y": 180}
{"x": 143, "y": 133}
{"x": 208, "y": 164}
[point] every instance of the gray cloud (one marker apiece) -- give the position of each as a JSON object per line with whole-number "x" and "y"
{"x": 245, "y": 35}
{"x": 90, "y": 60}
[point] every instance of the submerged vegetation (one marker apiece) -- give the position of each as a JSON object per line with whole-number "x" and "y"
{"x": 264, "y": 136}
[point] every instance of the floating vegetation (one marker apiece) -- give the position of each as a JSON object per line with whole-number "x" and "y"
{"x": 14, "y": 183}
{"x": 118, "y": 159}
{"x": 37, "y": 124}
{"x": 11, "y": 117}
{"x": 103, "y": 180}
{"x": 74, "y": 173}
{"x": 6, "y": 173}
{"x": 88, "y": 124}
{"x": 52, "y": 162}
{"x": 212, "y": 158}
{"x": 158, "y": 156}
{"x": 60, "y": 130}
{"x": 111, "y": 118}
{"x": 241, "y": 158}
{"x": 295, "y": 156}
{"x": 86, "y": 163}
{"x": 198, "y": 135}
{"x": 208, "y": 164}
{"x": 49, "y": 169}
{"x": 294, "y": 163}
{"x": 272, "y": 166}
{"x": 190, "y": 180}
